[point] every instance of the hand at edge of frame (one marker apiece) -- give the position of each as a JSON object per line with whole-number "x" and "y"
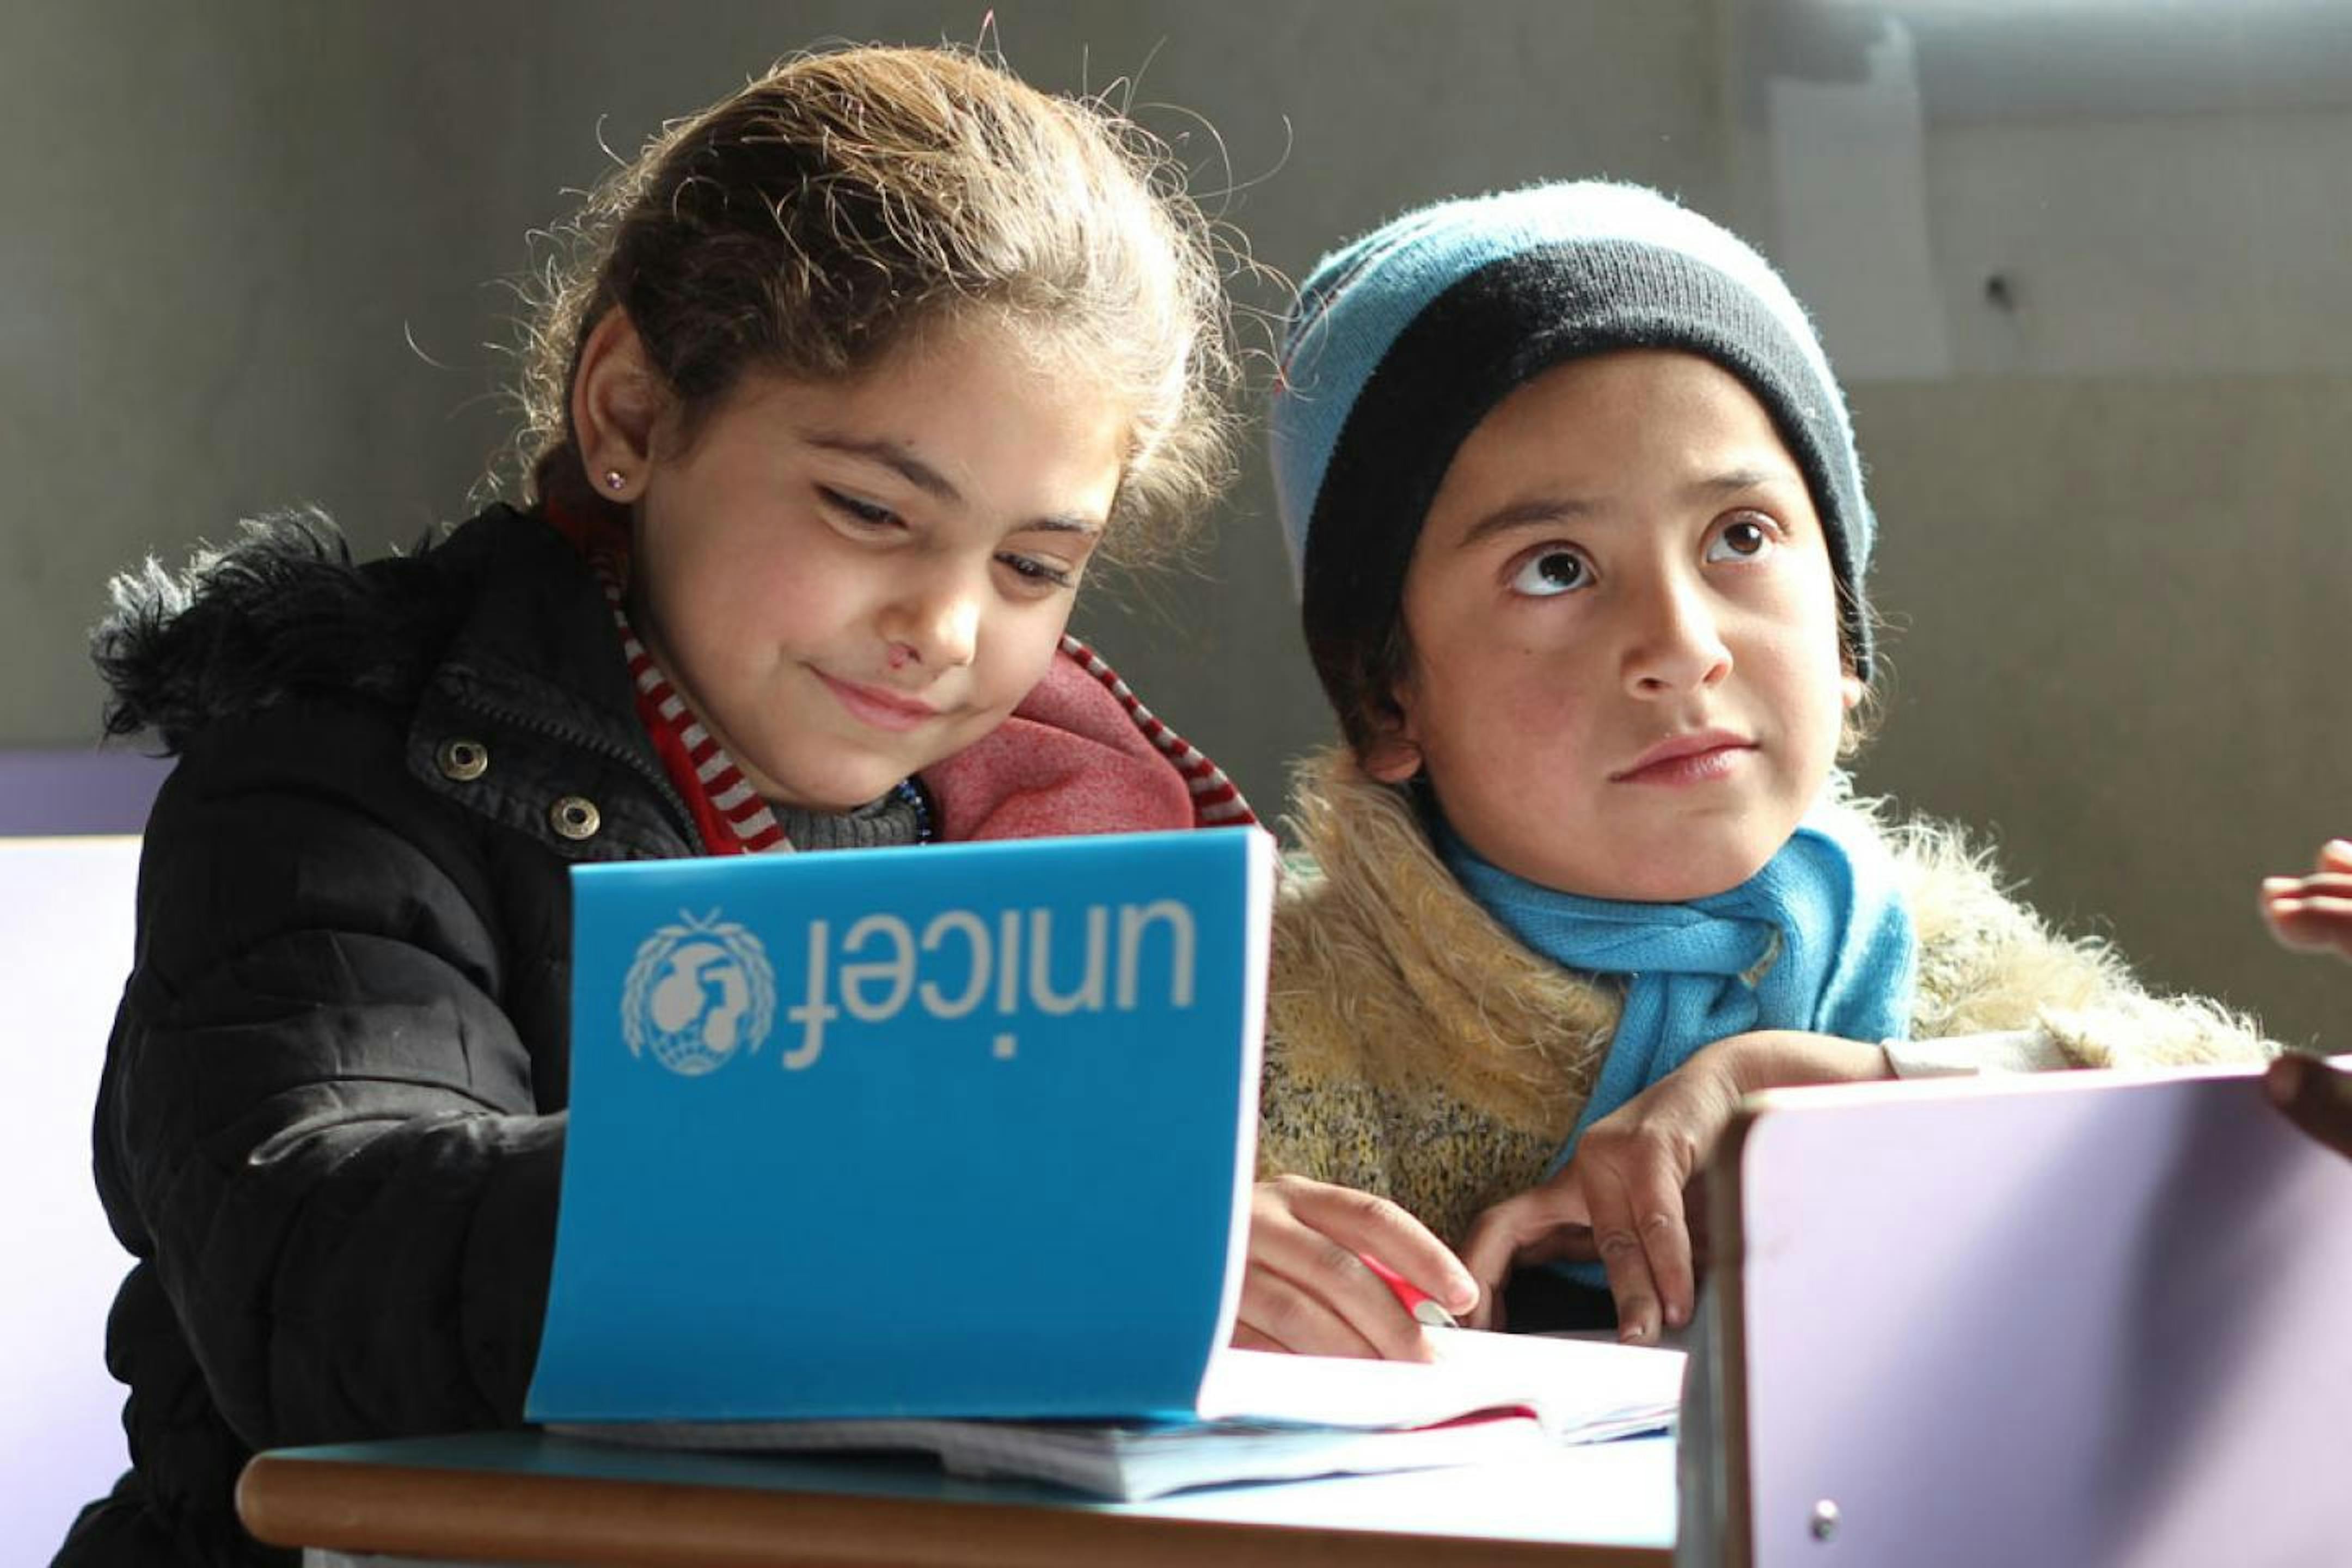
{"x": 2312, "y": 912}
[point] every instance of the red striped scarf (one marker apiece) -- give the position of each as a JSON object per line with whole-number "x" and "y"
{"x": 1215, "y": 801}
{"x": 730, "y": 813}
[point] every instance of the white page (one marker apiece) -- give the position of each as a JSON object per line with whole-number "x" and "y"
{"x": 1568, "y": 1384}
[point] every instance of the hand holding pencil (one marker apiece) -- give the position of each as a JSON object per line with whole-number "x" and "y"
{"x": 1334, "y": 1271}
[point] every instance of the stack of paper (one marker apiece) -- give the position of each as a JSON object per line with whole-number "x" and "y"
{"x": 1273, "y": 1417}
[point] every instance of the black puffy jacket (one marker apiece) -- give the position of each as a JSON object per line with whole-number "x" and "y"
{"x": 330, "y": 1122}
{"x": 331, "y": 1119}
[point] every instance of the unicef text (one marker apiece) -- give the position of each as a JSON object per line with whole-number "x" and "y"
{"x": 957, "y": 962}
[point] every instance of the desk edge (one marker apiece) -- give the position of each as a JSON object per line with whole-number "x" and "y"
{"x": 593, "y": 1523}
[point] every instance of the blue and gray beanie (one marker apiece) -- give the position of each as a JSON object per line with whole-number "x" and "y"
{"x": 1404, "y": 341}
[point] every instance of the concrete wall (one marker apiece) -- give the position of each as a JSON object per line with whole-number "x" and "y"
{"x": 253, "y": 251}
{"x": 271, "y": 274}
{"x": 2088, "y": 277}
{"x": 2121, "y": 608}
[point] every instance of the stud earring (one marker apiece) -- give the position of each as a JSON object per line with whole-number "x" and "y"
{"x": 615, "y": 478}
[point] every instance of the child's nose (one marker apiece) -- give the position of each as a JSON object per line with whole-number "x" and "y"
{"x": 936, "y": 624}
{"x": 1677, "y": 643}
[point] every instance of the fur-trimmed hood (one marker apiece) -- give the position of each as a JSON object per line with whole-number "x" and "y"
{"x": 1417, "y": 1050}
{"x": 282, "y": 612}
{"x": 1373, "y": 896}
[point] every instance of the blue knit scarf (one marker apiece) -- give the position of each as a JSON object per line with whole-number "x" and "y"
{"x": 1819, "y": 940}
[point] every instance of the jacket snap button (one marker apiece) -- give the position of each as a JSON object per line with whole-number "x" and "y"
{"x": 463, "y": 761}
{"x": 575, "y": 816}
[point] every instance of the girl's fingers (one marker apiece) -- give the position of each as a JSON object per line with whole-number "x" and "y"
{"x": 2311, "y": 925}
{"x": 1664, "y": 1230}
{"x": 1297, "y": 1315}
{"x": 2318, "y": 885}
{"x": 1313, "y": 1293}
{"x": 1514, "y": 1228}
{"x": 1488, "y": 1253}
{"x": 1366, "y": 1224}
{"x": 1616, "y": 1232}
{"x": 2321, "y": 909}
{"x": 2332, "y": 863}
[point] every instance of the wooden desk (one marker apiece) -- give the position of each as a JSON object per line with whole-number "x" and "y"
{"x": 512, "y": 1497}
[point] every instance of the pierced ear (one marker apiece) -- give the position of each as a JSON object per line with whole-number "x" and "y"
{"x": 615, "y": 400}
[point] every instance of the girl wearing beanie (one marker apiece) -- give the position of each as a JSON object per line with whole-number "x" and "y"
{"x": 1582, "y": 542}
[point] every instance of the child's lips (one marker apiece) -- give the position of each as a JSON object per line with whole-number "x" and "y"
{"x": 1694, "y": 758}
{"x": 877, "y": 706}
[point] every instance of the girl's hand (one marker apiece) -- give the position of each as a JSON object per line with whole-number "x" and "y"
{"x": 1307, "y": 1289}
{"x": 2314, "y": 912}
{"x": 1626, "y": 1184}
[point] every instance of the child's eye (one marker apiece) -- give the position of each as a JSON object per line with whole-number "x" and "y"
{"x": 1551, "y": 572}
{"x": 866, "y": 514}
{"x": 1041, "y": 574}
{"x": 1741, "y": 539}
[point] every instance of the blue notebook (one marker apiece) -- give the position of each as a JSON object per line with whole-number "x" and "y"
{"x": 953, "y": 1130}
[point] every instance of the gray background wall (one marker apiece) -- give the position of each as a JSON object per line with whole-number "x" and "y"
{"x": 252, "y": 257}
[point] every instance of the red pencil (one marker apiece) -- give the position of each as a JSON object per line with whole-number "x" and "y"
{"x": 1423, "y": 1307}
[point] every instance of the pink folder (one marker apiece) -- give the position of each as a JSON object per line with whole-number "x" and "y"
{"x": 2073, "y": 1318}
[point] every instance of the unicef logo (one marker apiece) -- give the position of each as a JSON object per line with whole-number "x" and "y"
{"x": 698, "y": 993}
